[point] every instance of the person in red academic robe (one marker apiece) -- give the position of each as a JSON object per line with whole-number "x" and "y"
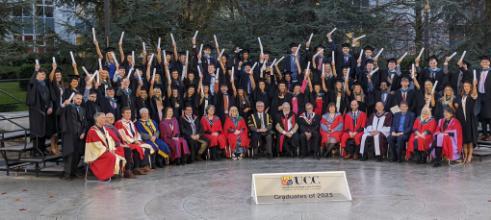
{"x": 235, "y": 129}
{"x": 287, "y": 129}
{"x": 354, "y": 123}
{"x": 422, "y": 136}
{"x": 213, "y": 131}
{"x": 171, "y": 134}
{"x": 104, "y": 159}
{"x": 448, "y": 138}
{"x": 133, "y": 153}
{"x": 130, "y": 136}
{"x": 331, "y": 129}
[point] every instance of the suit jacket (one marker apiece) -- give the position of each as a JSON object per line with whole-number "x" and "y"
{"x": 186, "y": 130}
{"x": 377, "y": 97}
{"x": 410, "y": 99}
{"x": 408, "y": 123}
{"x": 220, "y": 108}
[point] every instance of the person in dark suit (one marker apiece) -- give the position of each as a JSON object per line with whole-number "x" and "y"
{"x": 309, "y": 124}
{"x": 73, "y": 128}
{"x": 400, "y": 131}
{"x": 405, "y": 94}
{"x": 383, "y": 95}
{"x": 191, "y": 131}
{"x": 260, "y": 126}
{"x": 126, "y": 97}
{"x": 225, "y": 100}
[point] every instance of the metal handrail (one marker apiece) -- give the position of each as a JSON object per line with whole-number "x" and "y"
{"x": 2, "y": 117}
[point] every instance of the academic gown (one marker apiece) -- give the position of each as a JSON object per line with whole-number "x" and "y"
{"x": 422, "y": 144}
{"x": 90, "y": 109}
{"x": 147, "y": 130}
{"x": 467, "y": 119}
{"x": 171, "y": 134}
{"x": 156, "y": 111}
{"x": 433, "y": 75}
{"x": 311, "y": 125}
{"x": 211, "y": 126}
{"x": 382, "y": 124}
{"x": 242, "y": 139}
{"x": 449, "y": 138}
{"x": 38, "y": 101}
{"x": 104, "y": 159}
{"x": 331, "y": 127}
{"x": 342, "y": 106}
{"x": 205, "y": 102}
{"x": 353, "y": 123}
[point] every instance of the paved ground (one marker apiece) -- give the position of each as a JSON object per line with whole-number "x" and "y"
{"x": 221, "y": 190}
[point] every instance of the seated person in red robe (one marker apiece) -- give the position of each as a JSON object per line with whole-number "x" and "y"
{"x": 235, "y": 128}
{"x": 354, "y": 123}
{"x": 422, "y": 136}
{"x": 213, "y": 132}
{"x": 287, "y": 129}
{"x": 130, "y": 136}
{"x": 331, "y": 129}
{"x": 134, "y": 154}
{"x": 101, "y": 154}
{"x": 448, "y": 138}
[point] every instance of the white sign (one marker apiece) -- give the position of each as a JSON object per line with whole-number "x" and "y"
{"x": 270, "y": 188}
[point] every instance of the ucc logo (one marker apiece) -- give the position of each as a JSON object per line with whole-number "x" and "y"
{"x": 299, "y": 180}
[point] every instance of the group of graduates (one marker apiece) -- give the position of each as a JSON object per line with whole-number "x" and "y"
{"x": 178, "y": 107}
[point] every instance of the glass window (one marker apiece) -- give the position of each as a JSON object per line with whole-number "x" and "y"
{"x": 39, "y": 10}
{"x": 48, "y": 11}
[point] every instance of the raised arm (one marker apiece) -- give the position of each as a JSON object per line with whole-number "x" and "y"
{"x": 52, "y": 73}
{"x": 75, "y": 69}
{"x": 121, "y": 52}
{"x": 150, "y": 91}
{"x": 346, "y": 86}
{"x": 98, "y": 49}
{"x": 251, "y": 79}
{"x": 323, "y": 82}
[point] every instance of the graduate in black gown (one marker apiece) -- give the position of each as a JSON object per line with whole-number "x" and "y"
{"x": 40, "y": 107}
{"x": 468, "y": 120}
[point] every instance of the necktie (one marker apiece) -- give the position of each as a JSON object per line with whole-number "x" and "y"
{"x": 404, "y": 96}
